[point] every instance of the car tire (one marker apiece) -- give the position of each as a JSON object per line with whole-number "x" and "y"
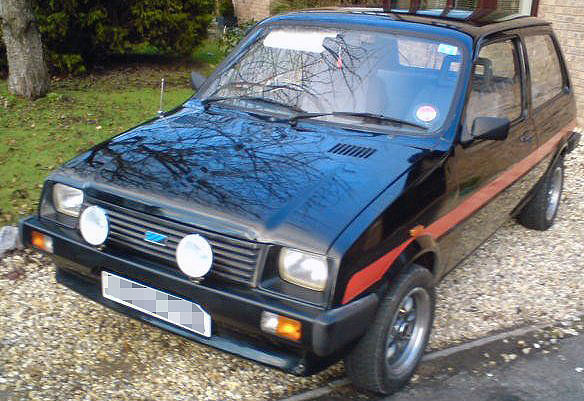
{"x": 541, "y": 210}
{"x": 386, "y": 357}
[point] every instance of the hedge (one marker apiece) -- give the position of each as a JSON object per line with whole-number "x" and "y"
{"x": 79, "y": 33}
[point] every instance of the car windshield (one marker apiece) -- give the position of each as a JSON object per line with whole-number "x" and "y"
{"x": 344, "y": 76}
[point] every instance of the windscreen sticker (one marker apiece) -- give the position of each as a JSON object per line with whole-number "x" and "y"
{"x": 308, "y": 41}
{"x": 448, "y": 49}
{"x": 426, "y": 113}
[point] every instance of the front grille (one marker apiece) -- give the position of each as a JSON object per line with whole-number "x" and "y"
{"x": 233, "y": 259}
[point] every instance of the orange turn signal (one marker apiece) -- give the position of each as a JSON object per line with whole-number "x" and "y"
{"x": 417, "y": 231}
{"x": 41, "y": 241}
{"x": 289, "y": 328}
{"x": 281, "y": 326}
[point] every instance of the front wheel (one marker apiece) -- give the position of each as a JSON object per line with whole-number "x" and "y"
{"x": 388, "y": 354}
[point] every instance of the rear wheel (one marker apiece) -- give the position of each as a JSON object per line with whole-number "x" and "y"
{"x": 388, "y": 354}
{"x": 541, "y": 211}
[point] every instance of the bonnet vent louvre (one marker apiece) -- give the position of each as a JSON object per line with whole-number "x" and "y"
{"x": 352, "y": 150}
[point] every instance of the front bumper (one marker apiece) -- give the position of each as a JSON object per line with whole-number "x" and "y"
{"x": 235, "y": 311}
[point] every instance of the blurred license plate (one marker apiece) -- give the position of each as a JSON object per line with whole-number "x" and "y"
{"x": 159, "y": 304}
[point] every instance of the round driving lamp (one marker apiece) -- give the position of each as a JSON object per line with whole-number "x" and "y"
{"x": 94, "y": 225}
{"x": 194, "y": 256}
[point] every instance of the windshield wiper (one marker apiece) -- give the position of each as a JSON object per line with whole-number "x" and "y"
{"x": 378, "y": 117}
{"x": 209, "y": 100}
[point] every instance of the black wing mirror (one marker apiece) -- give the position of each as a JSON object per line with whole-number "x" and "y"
{"x": 197, "y": 80}
{"x": 491, "y": 128}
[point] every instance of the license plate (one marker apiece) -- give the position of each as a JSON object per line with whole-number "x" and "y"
{"x": 164, "y": 306}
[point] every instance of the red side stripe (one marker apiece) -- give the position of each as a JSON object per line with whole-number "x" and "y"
{"x": 369, "y": 275}
{"x": 363, "y": 279}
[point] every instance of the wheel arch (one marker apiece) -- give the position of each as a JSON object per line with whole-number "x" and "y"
{"x": 422, "y": 251}
{"x": 562, "y": 152}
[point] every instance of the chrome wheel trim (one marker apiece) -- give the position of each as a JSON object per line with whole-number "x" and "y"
{"x": 554, "y": 192}
{"x": 407, "y": 332}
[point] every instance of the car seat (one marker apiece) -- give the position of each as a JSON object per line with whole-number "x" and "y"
{"x": 438, "y": 95}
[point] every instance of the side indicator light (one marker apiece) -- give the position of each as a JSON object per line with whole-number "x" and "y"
{"x": 42, "y": 241}
{"x": 281, "y": 326}
{"x": 417, "y": 231}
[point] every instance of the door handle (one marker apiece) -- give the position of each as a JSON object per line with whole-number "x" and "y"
{"x": 527, "y": 137}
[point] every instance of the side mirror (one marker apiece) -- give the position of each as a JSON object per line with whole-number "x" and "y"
{"x": 491, "y": 128}
{"x": 197, "y": 80}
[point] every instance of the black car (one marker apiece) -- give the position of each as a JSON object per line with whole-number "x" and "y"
{"x": 302, "y": 205}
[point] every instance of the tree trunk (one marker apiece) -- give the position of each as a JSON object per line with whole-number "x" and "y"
{"x": 27, "y": 71}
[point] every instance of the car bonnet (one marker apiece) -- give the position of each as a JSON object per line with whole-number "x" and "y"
{"x": 230, "y": 172}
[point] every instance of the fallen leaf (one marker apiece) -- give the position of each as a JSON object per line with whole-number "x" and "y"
{"x": 15, "y": 274}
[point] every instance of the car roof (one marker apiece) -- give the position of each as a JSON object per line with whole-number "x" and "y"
{"x": 477, "y": 23}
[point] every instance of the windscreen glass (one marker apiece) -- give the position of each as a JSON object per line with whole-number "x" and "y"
{"x": 292, "y": 70}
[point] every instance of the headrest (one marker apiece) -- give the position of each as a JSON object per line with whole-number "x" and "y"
{"x": 482, "y": 74}
{"x": 484, "y": 68}
{"x": 445, "y": 74}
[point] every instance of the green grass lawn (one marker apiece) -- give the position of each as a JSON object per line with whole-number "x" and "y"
{"x": 38, "y": 136}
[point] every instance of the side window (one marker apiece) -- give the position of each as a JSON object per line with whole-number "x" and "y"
{"x": 496, "y": 85}
{"x": 546, "y": 73}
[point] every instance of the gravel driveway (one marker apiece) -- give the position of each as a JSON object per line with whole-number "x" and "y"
{"x": 56, "y": 345}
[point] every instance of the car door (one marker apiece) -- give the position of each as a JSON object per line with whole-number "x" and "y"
{"x": 484, "y": 167}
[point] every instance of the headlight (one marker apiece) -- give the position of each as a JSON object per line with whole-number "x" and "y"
{"x": 94, "y": 225}
{"x": 67, "y": 200}
{"x": 303, "y": 269}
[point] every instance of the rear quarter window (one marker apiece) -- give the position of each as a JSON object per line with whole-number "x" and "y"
{"x": 547, "y": 80}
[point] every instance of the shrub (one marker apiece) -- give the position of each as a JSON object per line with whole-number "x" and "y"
{"x": 232, "y": 36}
{"x": 78, "y": 33}
{"x": 226, "y": 8}
{"x": 280, "y": 6}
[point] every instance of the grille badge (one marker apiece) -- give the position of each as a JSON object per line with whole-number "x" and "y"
{"x": 155, "y": 238}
